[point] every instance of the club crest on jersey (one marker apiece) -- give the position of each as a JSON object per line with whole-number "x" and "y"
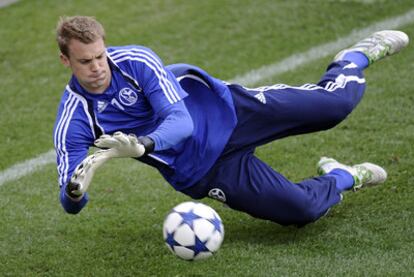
{"x": 128, "y": 97}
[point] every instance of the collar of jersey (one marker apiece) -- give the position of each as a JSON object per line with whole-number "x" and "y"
{"x": 76, "y": 87}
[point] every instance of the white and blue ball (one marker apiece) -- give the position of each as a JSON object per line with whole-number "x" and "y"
{"x": 193, "y": 231}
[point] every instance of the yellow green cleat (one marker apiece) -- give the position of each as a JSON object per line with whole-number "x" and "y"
{"x": 378, "y": 45}
{"x": 365, "y": 174}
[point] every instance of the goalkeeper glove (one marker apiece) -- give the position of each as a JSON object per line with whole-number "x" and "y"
{"x": 82, "y": 176}
{"x": 119, "y": 145}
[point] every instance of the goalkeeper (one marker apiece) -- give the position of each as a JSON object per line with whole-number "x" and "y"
{"x": 199, "y": 132}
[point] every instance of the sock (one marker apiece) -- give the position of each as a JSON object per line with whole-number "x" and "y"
{"x": 344, "y": 179}
{"x": 357, "y": 58}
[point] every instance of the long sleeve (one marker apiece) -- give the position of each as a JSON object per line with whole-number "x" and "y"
{"x": 176, "y": 126}
{"x": 72, "y": 138}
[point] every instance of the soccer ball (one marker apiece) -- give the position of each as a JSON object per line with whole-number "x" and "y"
{"x": 193, "y": 231}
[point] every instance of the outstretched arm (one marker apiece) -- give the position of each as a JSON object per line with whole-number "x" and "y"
{"x": 73, "y": 195}
{"x": 72, "y": 199}
{"x": 176, "y": 127}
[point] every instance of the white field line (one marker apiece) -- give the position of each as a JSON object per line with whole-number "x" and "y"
{"x": 38, "y": 163}
{"x": 320, "y": 51}
{"x": 27, "y": 167}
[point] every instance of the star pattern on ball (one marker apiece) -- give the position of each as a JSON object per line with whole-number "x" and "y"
{"x": 198, "y": 247}
{"x": 189, "y": 217}
{"x": 170, "y": 240}
{"x": 216, "y": 223}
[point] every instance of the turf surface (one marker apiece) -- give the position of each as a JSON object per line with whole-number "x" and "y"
{"x": 119, "y": 232}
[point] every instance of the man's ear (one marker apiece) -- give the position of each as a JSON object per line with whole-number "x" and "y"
{"x": 64, "y": 59}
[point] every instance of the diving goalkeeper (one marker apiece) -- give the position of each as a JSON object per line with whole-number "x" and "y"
{"x": 199, "y": 132}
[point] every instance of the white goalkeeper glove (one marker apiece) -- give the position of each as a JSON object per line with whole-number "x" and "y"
{"x": 119, "y": 145}
{"x": 83, "y": 174}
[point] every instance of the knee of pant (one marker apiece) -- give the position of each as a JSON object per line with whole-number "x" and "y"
{"x": 309, "y": 212}
{"x": 340, "y": 111}
{"x": 312, "y": 215}
{"x": 346, "y": 108}
{"x": 195, "y": 192}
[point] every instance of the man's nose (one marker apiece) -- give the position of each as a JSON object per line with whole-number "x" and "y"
{"x": 94, "y": 65}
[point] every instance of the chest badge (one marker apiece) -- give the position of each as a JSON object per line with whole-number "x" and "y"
{"x": 128, "y": 97}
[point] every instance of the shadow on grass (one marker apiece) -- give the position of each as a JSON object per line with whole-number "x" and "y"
{"x": 255, "y": 231}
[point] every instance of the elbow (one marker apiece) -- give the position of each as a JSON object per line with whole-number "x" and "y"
{"x": 189, "y": 127}
{"x": 72, "y": 206}
{"x": 70, "y": 211}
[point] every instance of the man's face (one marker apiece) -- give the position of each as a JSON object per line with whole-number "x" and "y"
{"x": 89, "y": 64}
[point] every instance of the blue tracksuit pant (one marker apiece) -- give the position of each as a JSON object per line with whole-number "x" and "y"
{"x": 264, "y": 114}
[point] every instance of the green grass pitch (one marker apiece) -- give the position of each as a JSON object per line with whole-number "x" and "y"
{"x": 119, "y": 233}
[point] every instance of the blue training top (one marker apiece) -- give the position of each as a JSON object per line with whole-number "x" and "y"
{"x": 142, "y": 95}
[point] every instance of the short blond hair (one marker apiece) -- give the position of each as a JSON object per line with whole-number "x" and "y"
{"x": 86, "y": 29}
